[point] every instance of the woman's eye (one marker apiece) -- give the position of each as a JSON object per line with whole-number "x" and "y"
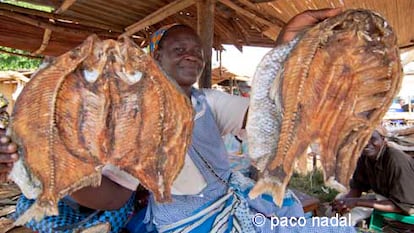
{"x": 179, "y": 50}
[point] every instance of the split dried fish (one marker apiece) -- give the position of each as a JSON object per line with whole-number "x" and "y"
{"x": 104, "y": 102}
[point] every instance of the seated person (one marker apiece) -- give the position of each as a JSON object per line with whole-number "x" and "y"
{"x": 385, "y": 170}
{"x": 405, "y": 108}
{"x": 402, "y": 103}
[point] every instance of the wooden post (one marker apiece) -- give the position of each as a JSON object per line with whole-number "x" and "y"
{"x": 64, "y": 6}
{"x": 205, "y": 27}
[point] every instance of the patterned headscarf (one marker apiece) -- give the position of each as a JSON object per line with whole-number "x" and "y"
{"x": 157, "y": 36}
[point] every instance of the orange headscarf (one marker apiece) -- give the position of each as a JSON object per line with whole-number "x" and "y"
{"x": 157, "y": 36}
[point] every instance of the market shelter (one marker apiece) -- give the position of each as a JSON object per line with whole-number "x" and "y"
{"x": 62, "y": 25}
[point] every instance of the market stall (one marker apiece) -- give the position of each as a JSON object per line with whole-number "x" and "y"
{"x": 65, "y": 24}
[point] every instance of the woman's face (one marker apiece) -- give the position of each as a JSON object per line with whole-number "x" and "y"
{"x": 374, "y": 145}
{"x": 180, "y": 55}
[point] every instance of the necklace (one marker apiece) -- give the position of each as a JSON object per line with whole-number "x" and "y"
{"x": 210, "y": 168}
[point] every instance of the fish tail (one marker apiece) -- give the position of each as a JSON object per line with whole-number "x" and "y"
{"x": 274, "y": 189}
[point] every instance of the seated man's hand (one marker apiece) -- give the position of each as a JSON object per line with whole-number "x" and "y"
{"x": 344, "y": 205}
{"x": 303, "y": 21}
{"x": 8, "y": 155}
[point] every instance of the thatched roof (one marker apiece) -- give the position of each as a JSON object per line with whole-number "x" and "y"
{"x": 220, "y": 74}
{"x": 237, "y": 22}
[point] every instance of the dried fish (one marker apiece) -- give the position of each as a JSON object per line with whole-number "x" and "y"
{"x": 333, "y": 89}
{"x": 104, "y": 102}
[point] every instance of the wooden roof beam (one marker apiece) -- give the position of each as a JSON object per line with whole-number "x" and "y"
{"x": 47, "y": 34}
{"x": 45, "y": 42}
{"x": 22, "y": 10}
{"x": 247, "y": 13}
{"x": 157, "y": 16}
{"x": 407, "y": 47}
{"x": 227, "y": 35}
{"x": 262, "y": 1}
{"x": 19, "y": 54}
{"x": 52, "y": 27}
{"x": 269, "y": 31}
{"x": 240, "y": 30}
{"x": 248, "y": 4}
{"x": 65, "y": 5}
{"x": 408, "y": 56}
{"x": 257, "y": 9}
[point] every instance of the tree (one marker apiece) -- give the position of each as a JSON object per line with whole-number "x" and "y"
{"x": 13, "y": 62}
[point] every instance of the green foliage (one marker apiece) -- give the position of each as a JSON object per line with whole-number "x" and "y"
{"x": 28, "y": 5}
{"x": 312, "y": 184}
{"x": 12, "y": 62}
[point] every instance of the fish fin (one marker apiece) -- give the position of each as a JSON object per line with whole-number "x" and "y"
{"x": 37, "y": 212}
{"x": 98, "y": 228}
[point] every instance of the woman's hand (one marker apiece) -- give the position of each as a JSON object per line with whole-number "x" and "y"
{"x": 303, "y": 21}
{"x": 8, "y": 155}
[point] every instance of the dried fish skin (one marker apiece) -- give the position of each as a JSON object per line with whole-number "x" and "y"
{"x": 337, "y": 84}
{"x": 105, "y": 102}
{"x": 265, "y": 111}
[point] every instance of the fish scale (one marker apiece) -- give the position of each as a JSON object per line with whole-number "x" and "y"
{"x": 263, "y": 109}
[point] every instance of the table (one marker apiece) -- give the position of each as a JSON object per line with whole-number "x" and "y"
{"x": 309, "y": 203}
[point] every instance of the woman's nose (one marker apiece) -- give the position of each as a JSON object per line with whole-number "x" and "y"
{"x": 191, "y": 56}
{"x": 195, "y": 52}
